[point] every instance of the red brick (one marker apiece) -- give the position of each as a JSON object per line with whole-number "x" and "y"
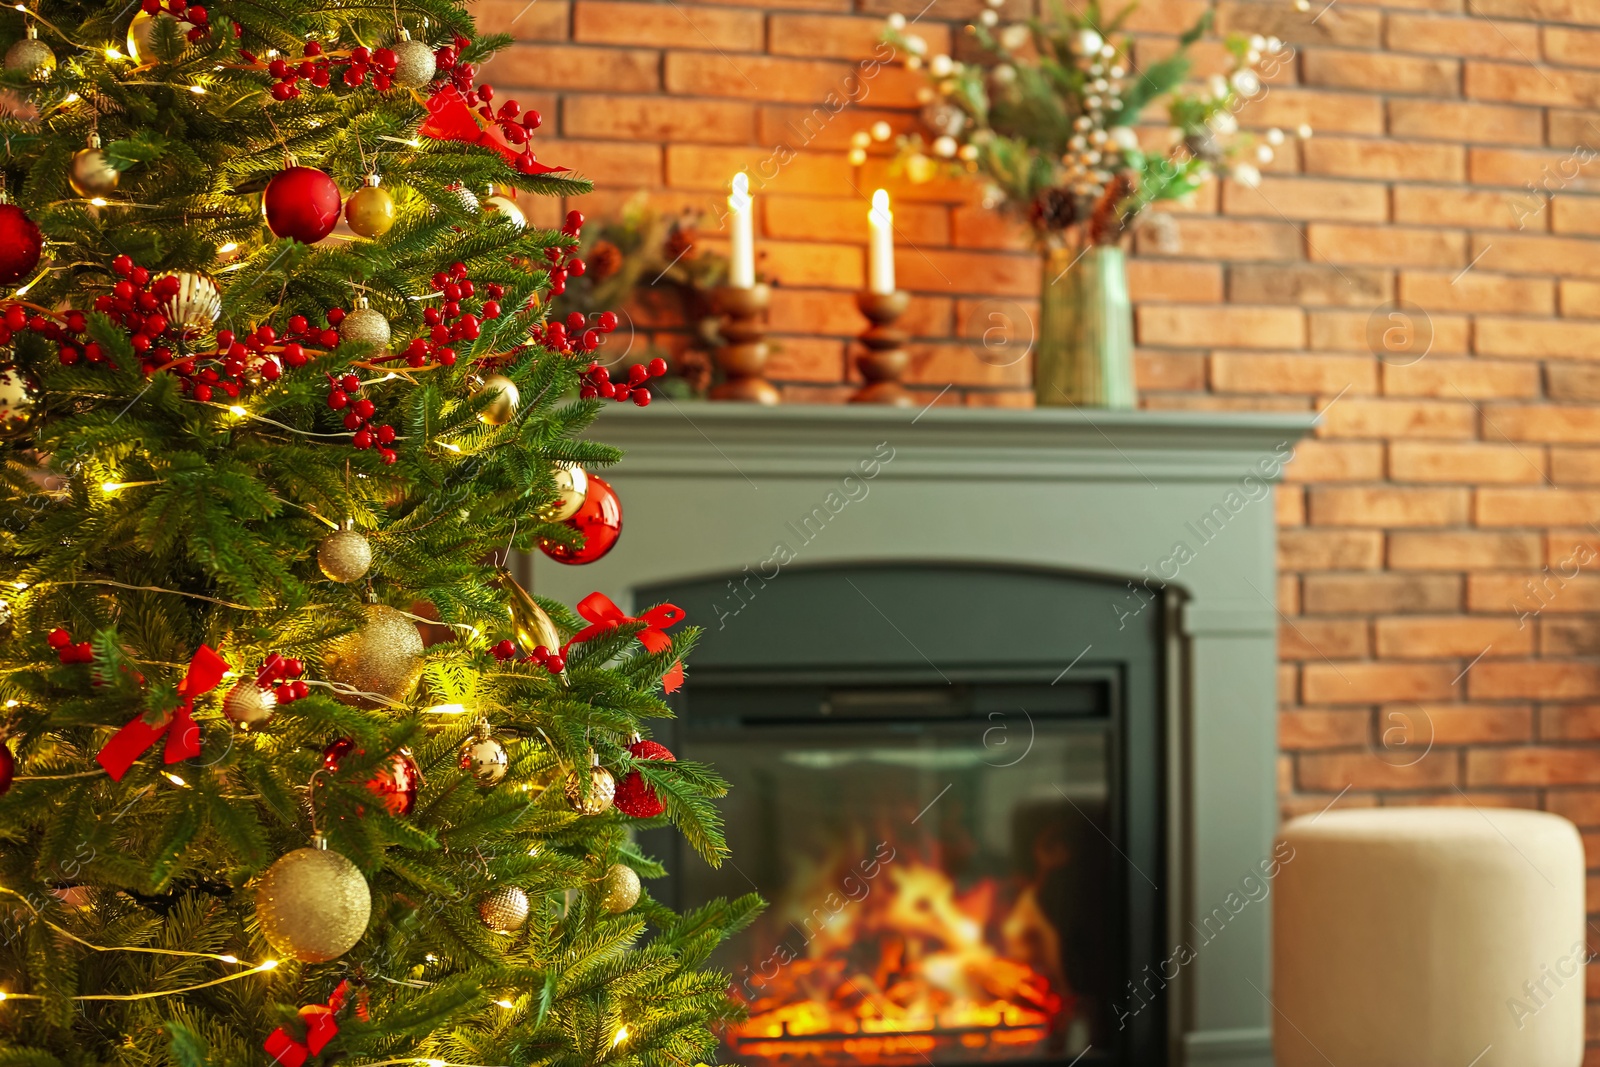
{"x": 1384, "y": 71}
{"x": 672, "y": 25}
{"x": 1532, "y": 765}
{"x": 1339, "y": 25}
{"x": 1230, "y": 239}
{"x": 1334, "y": 771}
{"x": 1580, "y": 299}
{"x": 834, "y": 219}
{"x": 1529, "y": 594}
{"x": 1307, "y": 198}
{"x": 615, "y": 70}
{"x": 1582, "y": 806}
{"x": 1569, "y": 129}
{"x": 794, "y": 81}
{"x": 1541, "y": 422}
{"x": 1362, "y": 331}
{"x": 1569, "y": 722}
{"x": 842, "y": 37}
{"x": 1385, "y": 506}
{"x": 1460, "y": 724}
{"x": 806, "y": 359}
{"x": 1441, "y": 205}
{"x": 1418, "y": 461}
{"x": 1307, "y": 639}
{"x": 1524, "y": 84}
{"x": 1575, "y": 466}
{"x": 1538, "y": 679}
{"x": 1309, "y": 729}
{"x": 1572, "y": 47}
{"x": 1292, "y": 373}
{"x": 1289, "y": 506}
{"x": 657, "y": 118}
{"x": 965, "y": 365}
{"x": 1158, "y": 370}
{"x": 1309, "y": 285}
{"x": 1537, "y": 507}
{"x": 810, "y": 263}
{"x": 949, "y": 272}
{"x": 1462, "y": 37}
{"x": 972, "y": 226}
{"x": 545, "y": 21}
{"x": 1568, "y": 636}
{"x": 1325, "y": 111}
{"x": 1330, "y": 550}
{"x": 1477, "y": 291}
{"x": 697, "y": 167}
{"x": 1456, "y": 378}
{"x": 1335, "y": 461}
{"x": 1453, "y": 551}
{"x": 1342, "y": 594}
{"x": 1226, "y": 327}
{"x": 1351, "y": 157}
{"x": 1555, "y": 170}
{"x": 1387, "y": 246}
{"x": 1575, "y": 213}
{"x": 1179, "y": 283}
{"x": 1435, "y": 637}
{"x": 1539, "y": 255}
{"x": 1354, "y": 416}
{"x": 606, "y": 162}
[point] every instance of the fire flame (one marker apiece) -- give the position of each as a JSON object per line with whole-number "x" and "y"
{"x": 913, "y": 968}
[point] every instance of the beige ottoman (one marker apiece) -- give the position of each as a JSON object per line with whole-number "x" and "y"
{"x": 1429, "y": 937}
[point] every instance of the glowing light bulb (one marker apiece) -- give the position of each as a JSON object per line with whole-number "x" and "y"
{"x": 229, "y": 959}
{"x": 99, "y": 201}
{"x": 71, "y": 98}
{"x": 451, "y": 447}
{"x": 198, "y": 90}
{"x": 267, "y": 965}
{"x": 12, "y": 703}
{"x": 622, "y": 1035}
{"x": 2, "y": 994}
{"x": 112, "y": 52}
{"x": 110, "y": 487}
{"x": 504, "y": 1004}
{"x": 447, "y": 709}
{"x": 231, "y": 246}
{"x": 239, "y": 411}
{"x": 21, "y": 7}
{"x": 175, "y": 780}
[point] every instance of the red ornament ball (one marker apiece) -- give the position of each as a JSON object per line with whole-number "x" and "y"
{"x": 21, "y": 244}
{"x": 599, "y": 520}
{"x": 302, "y": 203}
{"x": 633, "y": 796}
{"x": 394, "y": 783}
{"x": 8, "y": 768}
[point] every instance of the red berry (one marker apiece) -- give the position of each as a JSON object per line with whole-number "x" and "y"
{"x": 58, "y": 638}
{"x": 284, "y": 693}
{"x": 608, "y": 321}
{"x": 591, "y": 340}
{"x": 329, "y": 338}
{"x": 123, "y": 265}
{"x": 266, "y": 335}
{"x": 491, "y": 309}
{"x": 294, "y": 355}
{"x": 350, "y": 383}
{"x": 637, "y": 373}
{"x": 641, "y": 397}
{"x": 556, "y": 664}
{"x": 362, "y": 439}
{"x": 224, "y": 340}
{"x": 352, "y": 421}
{"x": 385, "y": 435}
{"x": 293, "y": 668}
{"x": 298, "y": 324}
{"x": 338, "y": 399}
{"x": 389, "y": 456}
{"x": 141, "y": 277}
{"x": 301, "y": 689}
{"x": 202, "y": 393}
{"x": 657, "y": 367}
{"x": 364, "y": 408}
{"x": 335, "y": 316}
{"x": 576, "y": 267}
{"x": 155, "y": 325}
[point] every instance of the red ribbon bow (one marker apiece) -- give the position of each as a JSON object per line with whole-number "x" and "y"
{"x": 450, "y": 119}
{"x": 604, "y": 615}
{"x": 206, "y": 669}
{"x": 321, "y": 1026}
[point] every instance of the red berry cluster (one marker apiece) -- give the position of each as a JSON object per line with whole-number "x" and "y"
{"x": 597, "y": 382}
{"x": 282, "y": 676}
{"x": 317, "y": 68}
{"x": 358, "y": 411}
{"x": 517, "y": 125}
{"x": 452, "y": 322}
{"x": 564, "y": 260}
{"x": 198, "y": 18}
{"x": 575, "y": 334}
{"x": 554, "y": 662}
{"x": 66, "y": 651}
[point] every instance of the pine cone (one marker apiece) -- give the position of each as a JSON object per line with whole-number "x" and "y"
{"x": 604, "y": 260}
{"x": 1054, "y": 210}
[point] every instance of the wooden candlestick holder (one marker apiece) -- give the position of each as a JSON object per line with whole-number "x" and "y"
{"x": 885, "y": 360}
{"x": 743, "y": 355}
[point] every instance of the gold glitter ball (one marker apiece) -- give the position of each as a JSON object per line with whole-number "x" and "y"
{"x": 602, "y": 788}
{"x": 505, "y": 910}
{"x": 365, "y": 326}
{"x": 313, "y": 904}
{"x": 619, "y": 889}
{"x": 345, "y": 555}
{"x": 414, "y": 65}
{"x": 32, "y": 57}
{"x": 383, "y": 657}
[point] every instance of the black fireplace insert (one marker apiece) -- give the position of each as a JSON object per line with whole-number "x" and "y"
{"x": 950, "y": 782}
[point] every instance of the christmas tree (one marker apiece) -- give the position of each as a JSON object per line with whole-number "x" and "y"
{"x": 294, "y": 770}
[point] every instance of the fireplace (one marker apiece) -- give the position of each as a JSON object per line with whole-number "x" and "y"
{"x": 960, "y": 836}
{"x": 894, "y": 603}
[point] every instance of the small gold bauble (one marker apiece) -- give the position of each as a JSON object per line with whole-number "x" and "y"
{"x": 21, "y": 400}
{"x": 196, "y": 306}
{"x": 370, "y": 211}
{"x": 345, "y": 556}
{"x": 505, "y": 910}
{"x": 31, "y": 56}
{"x": 90, "y": 173}
{"x": 141, "y": 34}
{"x": 572, "y": 487}
{"x": 250, "y": 705}
{"x": 534, "y": 627}
{"x": 619, "y": 889}
{"x": 505, "y": 207}
{"x": 503, "y": 406}
{"x": 313, "y": 904}
{"x": 602, "y": 788}
{"x": 384, "y": 657}
{"x": 414, "y": 64}
{"x": 484, "y": 757}
{"x": 364, "y": 326}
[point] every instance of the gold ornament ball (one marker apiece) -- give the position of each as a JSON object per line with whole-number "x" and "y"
{"x": 572, "y": 488}
{"x": 506, "y": 207}
{"x": 90, "y": 173}
{"x": 532, "y": 624}
{"x": 370, "y": 211}
{"x": 21, "y": 400}
{"x": 602, "y": 788}
{"x": 196, "y": 306}
{"x": 365, "y": 326}
{"x": 414, "y": 65}
{"x": 313, "y": 905}
{"x": 503, "y": 406}
{"x": 619, "y": 889}
{"x": 345, "y": 556}
{"x": 485, "y": 758}
{"x": 141, "y": 34}
{"x": 250, "y": 705}
{"x": 31, "y": 56}
{"x": 505, "y": 910}
{"x": 384, "y": 657}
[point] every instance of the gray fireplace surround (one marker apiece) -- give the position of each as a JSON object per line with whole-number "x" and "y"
{"x": 1175, "y": 505}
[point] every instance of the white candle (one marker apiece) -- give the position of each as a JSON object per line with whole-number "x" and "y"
{"x": 880, "y": 249}
{"x": 742, "y": 260}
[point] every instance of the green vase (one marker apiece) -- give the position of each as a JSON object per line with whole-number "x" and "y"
{"x": 1083, "y": 355}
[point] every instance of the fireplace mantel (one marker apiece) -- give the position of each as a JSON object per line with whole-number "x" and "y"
{"x": 710, "y": 490}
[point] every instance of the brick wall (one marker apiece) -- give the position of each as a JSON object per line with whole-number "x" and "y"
{"x": 1428, "y": 654}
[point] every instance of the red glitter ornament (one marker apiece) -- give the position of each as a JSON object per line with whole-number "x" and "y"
{"x": 395, "y": 783}
{"x": 302, "y": 203}
{"x": 21, "y": 244}
{"x": 599, "y": 520}
{"x": 635, "y": 797}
